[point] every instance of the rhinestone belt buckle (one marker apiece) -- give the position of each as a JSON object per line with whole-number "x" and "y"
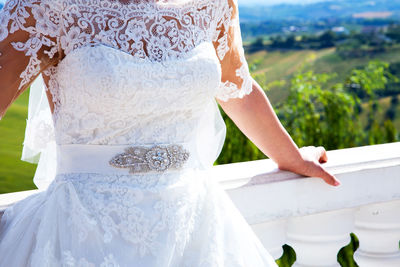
{"x": 157, "y": 158}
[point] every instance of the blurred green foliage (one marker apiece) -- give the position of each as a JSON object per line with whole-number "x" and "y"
{"x": 316, "y": 114}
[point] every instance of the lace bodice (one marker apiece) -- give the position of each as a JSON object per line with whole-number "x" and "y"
{"x": 124, "y": 101}
{"x": 120, "y": 72}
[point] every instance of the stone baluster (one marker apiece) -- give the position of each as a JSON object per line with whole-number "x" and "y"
{"x": 272, "y": 235}
{"x": 377, "y": 227}
{"x": 318, "y": 238}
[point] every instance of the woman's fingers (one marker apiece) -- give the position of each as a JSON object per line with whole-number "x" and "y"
{"x": 314, "y": 156}
{"x": 314, "y": 153}
{"x": 326, "y": 176}
{"x": 317, "y": 171}
{"x": 322, "y": 156}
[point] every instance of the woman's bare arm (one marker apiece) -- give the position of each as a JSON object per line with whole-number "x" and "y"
{"x": 25, "y": 51}
{"x": 255, "y": 117}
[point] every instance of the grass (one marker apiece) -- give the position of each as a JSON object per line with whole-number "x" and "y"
{"x": 15, "y": 175}
{"x": 380, "y": 114}
{"x": 281, "y": 65}
{"x": 332, "y": 62}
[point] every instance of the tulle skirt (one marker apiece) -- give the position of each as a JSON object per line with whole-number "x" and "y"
{"x": 178, "y": 218}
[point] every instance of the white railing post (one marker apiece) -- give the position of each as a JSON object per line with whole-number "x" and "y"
{"x": 318, "y": 238}
{"x": 272, "y": 235}
{"x": 377, "y": 227}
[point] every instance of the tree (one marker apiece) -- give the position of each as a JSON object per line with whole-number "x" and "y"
{"x": 394, "y": 32}
{"x": 327, "y": 39}
{"x": 315, "y": 115}
{"x": 367, "y": 82}
{"x": 390, "y": 131}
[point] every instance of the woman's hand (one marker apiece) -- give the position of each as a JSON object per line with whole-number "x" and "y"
{"x": 310, "y": 165}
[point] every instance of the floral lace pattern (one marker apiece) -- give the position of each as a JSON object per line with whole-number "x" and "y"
{"x": 155, "y": 30}
{"x": 123, "y": 102}
{"x": 14, "y": 17}
{"x": 138, "y": 211}
{"x": 68, "y": 260}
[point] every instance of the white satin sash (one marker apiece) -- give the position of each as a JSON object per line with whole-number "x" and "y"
{"x": 78, "y": 158}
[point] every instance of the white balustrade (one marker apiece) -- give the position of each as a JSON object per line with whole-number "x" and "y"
{"x": 318, "y": 238}
{"x": 377, "y": 227}
{"x": 314, "y": 218}
{"x": 272, "y": 235}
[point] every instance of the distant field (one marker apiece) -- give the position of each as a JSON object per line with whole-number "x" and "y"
{"x": 373, "y": 15}
{"x": 384, "y": 104}
{"x": 333, "y": 63}
{"x": 278, "y": 65}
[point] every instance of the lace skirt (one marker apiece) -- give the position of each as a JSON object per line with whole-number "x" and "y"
{"x": 176, "y": 218}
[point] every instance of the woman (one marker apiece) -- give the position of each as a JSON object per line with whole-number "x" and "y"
{"x": 132, "y": 88}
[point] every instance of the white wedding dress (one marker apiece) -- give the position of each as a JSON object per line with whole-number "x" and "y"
{"x": 132, "y": 89}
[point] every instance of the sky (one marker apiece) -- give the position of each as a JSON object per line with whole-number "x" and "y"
{"x": 274, "y": 2}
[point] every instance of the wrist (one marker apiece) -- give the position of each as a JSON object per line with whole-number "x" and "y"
{"x": 297, "y": 165}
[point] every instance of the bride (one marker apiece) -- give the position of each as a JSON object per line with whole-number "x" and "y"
{"x": 133, "y": 88}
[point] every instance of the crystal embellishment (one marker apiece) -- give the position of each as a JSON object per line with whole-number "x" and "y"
{"x": 157, "y": 158}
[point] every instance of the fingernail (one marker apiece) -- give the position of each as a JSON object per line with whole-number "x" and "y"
{"x": 337, "y": 183}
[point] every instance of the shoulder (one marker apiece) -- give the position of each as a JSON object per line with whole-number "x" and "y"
{"x": 17, "y": 5}
{"x": 26, "y": 8}
{"x": 230, "y": 4}
{"x": 226, "y": 9}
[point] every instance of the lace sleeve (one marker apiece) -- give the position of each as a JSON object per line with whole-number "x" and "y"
{"x": 28, "y": 45}
{"x": 236, "y": 80}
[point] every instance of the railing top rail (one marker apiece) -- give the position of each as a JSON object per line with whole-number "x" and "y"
{"x": 339, "y": 161}
{"x": 262, "y": 192}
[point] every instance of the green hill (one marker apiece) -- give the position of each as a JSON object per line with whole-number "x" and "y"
{"x": 281, "y": 65}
